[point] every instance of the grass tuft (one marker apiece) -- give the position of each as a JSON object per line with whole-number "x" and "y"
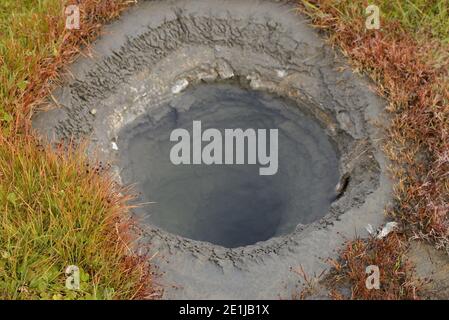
{"x": 395, "y": 272}
{"x": 59, "y": 210}
{"x": 56, "y": 208}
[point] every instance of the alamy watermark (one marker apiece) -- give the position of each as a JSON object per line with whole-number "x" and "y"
{"x": 373, "y": 17}
{"x": 373, "y": 280}
{"x": 73, "y": 17}
{"x": 189, "y": 149}
{"x": 72, "y": 281}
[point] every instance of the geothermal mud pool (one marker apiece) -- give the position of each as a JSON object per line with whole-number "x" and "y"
{"x": 230, "y": 205}
{"x": 225, "y": 231}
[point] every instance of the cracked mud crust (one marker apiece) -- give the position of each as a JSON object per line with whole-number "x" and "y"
{"x": 432, "y": 268}
{"x": 156, "y": 50}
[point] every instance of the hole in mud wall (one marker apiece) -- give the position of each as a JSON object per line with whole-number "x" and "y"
{"x": 230, "y": 205}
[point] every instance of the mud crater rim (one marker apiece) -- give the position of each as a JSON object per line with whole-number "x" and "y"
{"x": 142, "y": 70}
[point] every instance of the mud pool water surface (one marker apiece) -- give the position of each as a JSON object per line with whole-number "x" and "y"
{"x": 230, "y": 205}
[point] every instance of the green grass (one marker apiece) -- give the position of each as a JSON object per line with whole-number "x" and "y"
{"x": 29, "y": 33}
{"x": 56, "y": 210}
{"x": 425, "y": 20}
{"x": 59, "y": 211}
{"x": 419, "y": 17}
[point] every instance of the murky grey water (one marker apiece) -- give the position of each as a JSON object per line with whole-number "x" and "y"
{"x": 230, "y": 205}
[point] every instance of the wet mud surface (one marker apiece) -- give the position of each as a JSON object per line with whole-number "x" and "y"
{"x": 158, "y": 51}
{"x": 230, "y": 204}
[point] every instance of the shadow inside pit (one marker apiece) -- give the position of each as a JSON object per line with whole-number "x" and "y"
{"x": 229, "y": 205}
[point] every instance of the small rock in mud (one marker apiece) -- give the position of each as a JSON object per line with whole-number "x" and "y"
{"x": 179, "y": 86}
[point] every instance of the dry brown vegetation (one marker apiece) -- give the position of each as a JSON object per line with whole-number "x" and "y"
{"x": 396, "y": 279}
{"x": 409, "y": 62}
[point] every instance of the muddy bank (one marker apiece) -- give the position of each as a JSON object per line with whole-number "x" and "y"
{"x": 160, "y": 48}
